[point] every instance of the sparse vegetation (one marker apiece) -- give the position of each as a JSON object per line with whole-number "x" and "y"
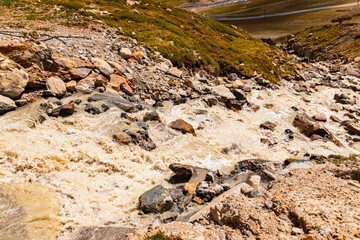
{"x": 185, "y": 38}
{"x": 339, "y": 159}
{"x": 162, "y": 236}
{"x": 332, "y": 40}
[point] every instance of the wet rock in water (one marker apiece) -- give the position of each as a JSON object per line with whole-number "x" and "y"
{"x": 143, "y": 125}
{"x": 268, "y": 126}
{"x": 74, "y": 67}
{"x": 113, "y": 98}
{"x": 344, "y": 99}
{"x": 125, "y": 53}
{"x": 152, "y": 116}
{"x": 103, "y": 66}
{"x": 235, "y": 104}
{"x": 306, "y": 125}
{"x": 104, "y": 107}
{"x": 315, "y": 137}
{"x": 198, "y": 176}
{"x": 56, "y": 86}
{"x": 6, "y": 104}
{"x": 321, "y": 117}
{"x": 155, "y": 200}
{"x": 28, "y": 212}
{"x": 53, "y": 108}
{"x": 12, "y": 84}
{"x": 267, "y": 142}
{"x": 207, "y": 191}
{"x": 67, "y": 109}
{"x": 147, "y": 145}
{"x": 232, "y": 76}
{"x": 182, "y": 172}
{"x": 289, "y": 134}
{"x": 239, "y": 94}
{"x": 223, "y": 92}
{"x": 254, "y": 165}
{"x": 211, "y": 101}
{"x": 175, "y": 72}
{"x": 122, "y": 137}
{"x": 183, "y": 127}
{"x": 200, "y": 111}
{"x": 92, "y": 109}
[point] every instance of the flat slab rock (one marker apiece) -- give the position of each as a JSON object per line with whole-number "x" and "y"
{"x": 6, "y": 104}
{"x": 113, "y": 98}
{"x": 224, "y": 92}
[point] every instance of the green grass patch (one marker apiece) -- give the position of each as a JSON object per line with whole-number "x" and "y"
{"x": 161, "y": 236}
{"x": 332, "y": 40}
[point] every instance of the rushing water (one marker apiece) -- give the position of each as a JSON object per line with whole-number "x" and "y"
{"x": 99, "y": 181}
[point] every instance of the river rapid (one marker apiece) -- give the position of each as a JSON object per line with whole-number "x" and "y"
{"x": 98, "y": 181}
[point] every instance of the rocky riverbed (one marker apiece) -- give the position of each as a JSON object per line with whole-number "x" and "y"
{"x": 91, "y": 123}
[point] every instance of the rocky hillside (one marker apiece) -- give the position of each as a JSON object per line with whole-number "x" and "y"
{"x": 337, "y": 40}
{"x": 105, "y": 138}
{"x": 185, "y": 38}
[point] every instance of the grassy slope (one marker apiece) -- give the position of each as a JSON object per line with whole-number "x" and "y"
{"x": 178, "y": 34}
{"x": 258, "y": 7}
{"x": 289, "y": 24}
{"x": 334, "y": 40}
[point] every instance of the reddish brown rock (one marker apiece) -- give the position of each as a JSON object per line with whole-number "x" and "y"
{"x": 76, "y": 68}
{"x": 268, "y": 126}
{"x": 86, "y": 85}
{"x": 116, "y": 80}
{"x": 67, "y": 109}
{"x": 335, "y": 119}
{"x": 305, "y": 124}
{"x": 137, "y": 55}
{"x": 183, "y": 127}
{"x": 198, "y": 176}
{"x": 101, "y": 81}
{"x": 70, "y": 86}
{"x": 320, "y": 117}
{"x": 182, "y": 171}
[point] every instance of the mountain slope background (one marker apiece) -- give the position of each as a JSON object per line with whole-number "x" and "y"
{"x": 187, "y": 39}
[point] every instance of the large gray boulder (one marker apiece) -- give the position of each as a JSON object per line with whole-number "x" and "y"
{"x": 6, "y": 104}
{"x": 113, "y": 98}
{"x": 103, "y": 66}
{"x": 125, "y": 53}
{"x": 56, "y": 86}
{"x": 12, "y": 84}
{"x": 223, "y": 92}
{"x": 156, "y": 200}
